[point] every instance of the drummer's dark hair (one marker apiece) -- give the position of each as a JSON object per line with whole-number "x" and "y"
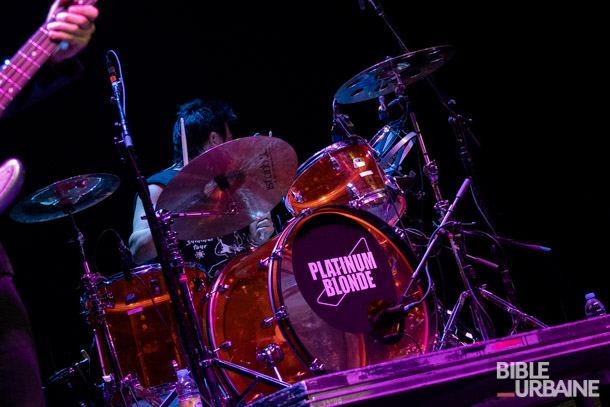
{"x": 200, "y": 119}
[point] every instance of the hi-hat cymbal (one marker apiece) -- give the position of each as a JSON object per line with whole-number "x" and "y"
{"x": 63, "y": 197}
{"x": 229, "y": 186}
{"x": 384, "y": 77}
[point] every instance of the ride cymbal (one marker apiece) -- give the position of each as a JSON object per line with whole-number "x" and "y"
{"x": 386, "y": 76}
{"x": 63, "y": 197}
{"x": 229, "y": 186}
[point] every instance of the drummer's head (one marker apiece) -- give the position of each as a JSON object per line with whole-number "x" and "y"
{"x": 206, "y": 124}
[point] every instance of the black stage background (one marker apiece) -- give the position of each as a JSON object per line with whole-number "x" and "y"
{"x": 280, "y": 64}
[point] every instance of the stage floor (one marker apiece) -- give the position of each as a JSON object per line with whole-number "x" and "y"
{"x": 574, "y": 359}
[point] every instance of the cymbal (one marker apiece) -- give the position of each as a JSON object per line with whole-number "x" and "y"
{"x": 61, "y": 198}
{"x": 227, "y": 187}
{"x": 384, "y": 77}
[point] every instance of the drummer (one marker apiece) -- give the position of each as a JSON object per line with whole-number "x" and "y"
{"x": 203, "y": 124}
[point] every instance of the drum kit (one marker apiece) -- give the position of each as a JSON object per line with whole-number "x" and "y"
{"x": 314, "y": 299}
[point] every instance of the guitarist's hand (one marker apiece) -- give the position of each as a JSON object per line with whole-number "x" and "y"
{"x": 71, "y": 24}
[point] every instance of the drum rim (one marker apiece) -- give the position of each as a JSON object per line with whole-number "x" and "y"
{"x": 349, "y": 142}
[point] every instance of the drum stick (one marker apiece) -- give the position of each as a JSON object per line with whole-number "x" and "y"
{"x": 185, "y": 150}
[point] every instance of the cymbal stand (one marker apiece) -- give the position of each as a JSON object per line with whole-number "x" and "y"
{"x": 115, "y": 382}
{"x": 169, "y": 254}
{"x": 462, "y": 131}
{"x": 430, "y": 170}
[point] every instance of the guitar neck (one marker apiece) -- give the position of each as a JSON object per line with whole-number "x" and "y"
{"x": 20, "y": 69}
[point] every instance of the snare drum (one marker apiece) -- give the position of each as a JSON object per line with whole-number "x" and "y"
{"x": 345, "y": 173}
{"x": 142, "y": 323}
{"x": 302, "y": 304}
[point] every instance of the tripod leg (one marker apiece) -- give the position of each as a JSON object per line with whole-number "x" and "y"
{"x": 451, "y": 323}
{"x": 510, "y": 308}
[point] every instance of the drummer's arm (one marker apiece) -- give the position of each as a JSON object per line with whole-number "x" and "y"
{"x": 141, "y": 242}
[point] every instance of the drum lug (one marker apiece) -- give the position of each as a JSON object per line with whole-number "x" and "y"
{"x": 316, "y": 366}
{"x": 270, "y": 356}
{"x": 353, "y": 191}
{"x": 277, "y": 254}
{"x": 155, "y": 286}
{"x": 221, "y": 289}
{"x": 267, "y": 322}
{"x": 280, "y": 315}
{"x": 262, "y": 264}
{"x": 297, "y": 195}
{"x": 334, "y": 163}
{"x": 400, "y": 232}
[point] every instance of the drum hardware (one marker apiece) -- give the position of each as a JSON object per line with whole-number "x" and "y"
{"x": 461, "y": 128}
{"x": 279, "y": 315}
{"x": 342, "y": 126}
{"x": 390, "y": 76}
{"x": 391, "y": 149}
{"x": 79, "y": 390}
{"x": 224, "y": 347}
{"x": 65, "y": 198}
{"x": 270, "y": 356}
{"x": 220, "y": 290}
{"x": 397, "y": 313}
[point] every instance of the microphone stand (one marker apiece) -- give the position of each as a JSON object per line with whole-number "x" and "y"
{"x": 170, "y": 259}
{"x": 116, "y": 380}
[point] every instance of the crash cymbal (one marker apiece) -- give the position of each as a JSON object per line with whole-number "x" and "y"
{"x": 61, "y": 198}
{"x": 384, "y": 77}
{"x": 228, "y": 186}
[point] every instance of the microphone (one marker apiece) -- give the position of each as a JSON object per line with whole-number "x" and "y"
{"x": 391, "y": 316}
{"x": 362, "y": 4}
{"x": 111, "y": 71}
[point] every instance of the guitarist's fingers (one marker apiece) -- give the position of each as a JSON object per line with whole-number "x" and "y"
{"x": 55, "y": 7}
{"x": 89, "y": 11}
{"x": 72, "y": 22}
{"x": 62, "y": 31}
{"x": 74, "y": 27}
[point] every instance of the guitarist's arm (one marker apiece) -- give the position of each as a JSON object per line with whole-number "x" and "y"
{"x": 73, "y": 26}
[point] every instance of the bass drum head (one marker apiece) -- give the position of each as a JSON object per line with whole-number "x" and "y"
{"x": 302, "y": 304}
{"x": 339, "y": 268}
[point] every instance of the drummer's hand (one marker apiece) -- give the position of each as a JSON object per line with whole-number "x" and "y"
{"x": 261, "y": 230}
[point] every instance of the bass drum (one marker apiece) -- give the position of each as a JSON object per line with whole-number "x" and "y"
{"x": 302, "y": 304}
